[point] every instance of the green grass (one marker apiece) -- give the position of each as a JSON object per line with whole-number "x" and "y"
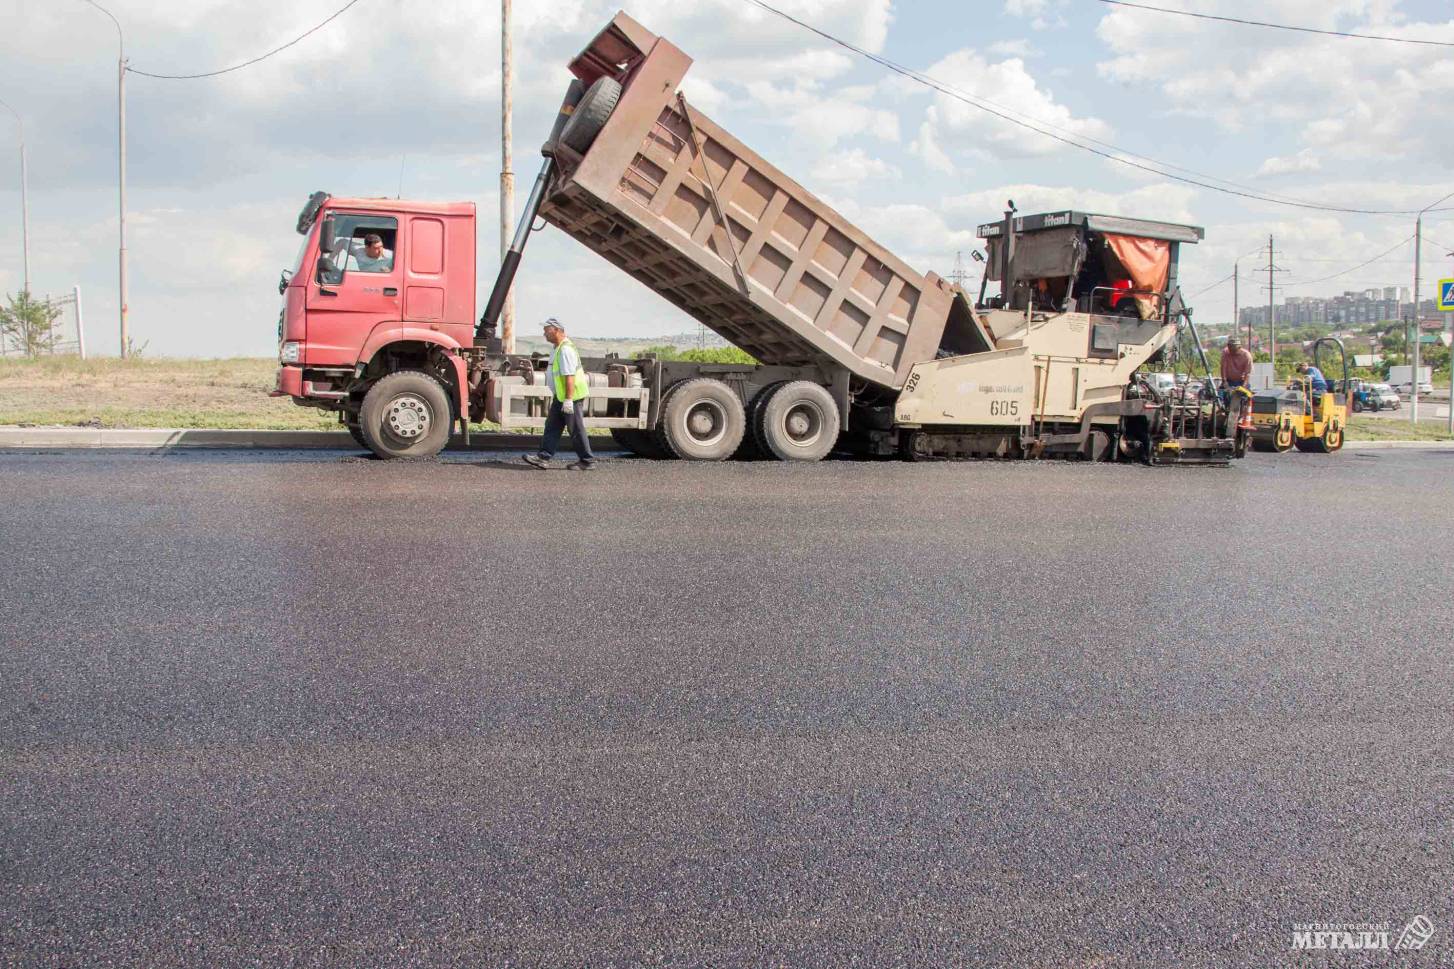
{"x": 1362, "y": 428}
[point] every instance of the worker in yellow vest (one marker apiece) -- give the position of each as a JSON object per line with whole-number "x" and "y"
{"x": 567, "y": 379}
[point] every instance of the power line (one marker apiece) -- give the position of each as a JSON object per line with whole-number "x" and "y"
{"x": 1115, "y": 154}
{"x": 261, "y": 57}
{"x": 1207, "y": 289}
{"x": 1323, "y": 279}
{"x": 1262, "y": 23}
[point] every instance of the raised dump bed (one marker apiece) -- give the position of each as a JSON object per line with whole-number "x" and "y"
{"x": 672, "y": 198}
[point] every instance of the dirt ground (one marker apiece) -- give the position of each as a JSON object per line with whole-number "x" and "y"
{"x": 66, "y": 391}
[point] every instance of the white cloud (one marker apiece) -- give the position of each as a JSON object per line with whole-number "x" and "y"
{"x": 849, "y": 169}
{"x": 1018, "y": 47}
{"x": 1042, "y": 14}
{"x": 1303, "y": 161}
{"x": 1368, "y": 100}
{"x": 952, "y": 128}
{"x": 822, "y": 118}
{"x": 1163, "y": 201}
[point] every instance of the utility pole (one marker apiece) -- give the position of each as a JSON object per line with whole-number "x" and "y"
{"x": 120, "y": 162}
{"x": 24, "y": 203}
{"x": 1271, "y": 318}
{"x": 507, "y": 177}
{"x": 1418, "y": 254}
{"x": 960, "y": 274}
{"x": 1271, "y": 310}
{"x": 1414, "y": 374}
{"x": 1236, "y": 305}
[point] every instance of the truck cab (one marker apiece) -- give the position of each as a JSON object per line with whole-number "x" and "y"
{"x": 348, "y": 319}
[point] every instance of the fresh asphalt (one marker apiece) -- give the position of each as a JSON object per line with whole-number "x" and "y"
{"x": 286, "y": 708}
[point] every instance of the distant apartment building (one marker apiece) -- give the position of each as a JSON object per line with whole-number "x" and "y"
{"x": 1353, "y": 308}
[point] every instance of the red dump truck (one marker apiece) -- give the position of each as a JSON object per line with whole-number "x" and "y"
{"x": 855, "y": 348}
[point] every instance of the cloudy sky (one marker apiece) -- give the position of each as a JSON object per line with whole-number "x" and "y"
{"x": 219, "y": 167}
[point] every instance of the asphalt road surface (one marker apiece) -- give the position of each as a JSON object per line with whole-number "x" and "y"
{"x": 316, "y": 709}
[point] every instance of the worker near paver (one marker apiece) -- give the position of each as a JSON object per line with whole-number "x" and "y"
{"x": 1236, "y": 372}
{"x": 570, "y": 386}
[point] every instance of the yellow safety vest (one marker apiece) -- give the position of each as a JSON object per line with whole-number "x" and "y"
{"x": 583, "y": 383}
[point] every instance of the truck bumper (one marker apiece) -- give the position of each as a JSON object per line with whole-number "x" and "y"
{"x": 290, "y": 382}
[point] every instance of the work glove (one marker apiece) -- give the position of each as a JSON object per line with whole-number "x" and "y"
{"x": 567, "y": 407}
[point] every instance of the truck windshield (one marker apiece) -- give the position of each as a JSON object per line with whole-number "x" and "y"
{"x": 298, "y": 259}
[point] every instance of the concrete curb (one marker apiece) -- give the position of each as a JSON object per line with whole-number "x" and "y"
{"x": 155, "y": 438}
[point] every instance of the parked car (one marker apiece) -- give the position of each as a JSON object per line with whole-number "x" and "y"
{"x": 1375, "y": 397}
{"x": 1406, "y": 387}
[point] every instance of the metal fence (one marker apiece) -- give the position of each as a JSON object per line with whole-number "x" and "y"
{"x": 67, "y": 336}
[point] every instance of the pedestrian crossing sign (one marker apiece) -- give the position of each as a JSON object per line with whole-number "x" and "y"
{"x": 1446, "y": 296}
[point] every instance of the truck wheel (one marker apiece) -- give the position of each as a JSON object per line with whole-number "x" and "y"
{"x": 702, "y": 420}
{"x": 752, "y": 448}
{"x": 405, "y": 415}
{"x": 800, "y": 422}
{"x": 590, "y": 115}
{"x": 1357, "y": 407}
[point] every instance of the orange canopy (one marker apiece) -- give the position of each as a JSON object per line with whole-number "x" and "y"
{"x": 1147, "y": 262}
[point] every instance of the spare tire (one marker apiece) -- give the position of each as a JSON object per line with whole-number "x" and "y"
{"x": 590, "y": 114}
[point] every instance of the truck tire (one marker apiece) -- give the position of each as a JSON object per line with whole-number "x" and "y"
{"x": 752, "y": 448}
{"x": 356, "y": 433}
{"x": 800, "y": 422}
{"x": 406, "y": 415}
{"x": 590, "y": 114}
{"x": 702, "y": 419}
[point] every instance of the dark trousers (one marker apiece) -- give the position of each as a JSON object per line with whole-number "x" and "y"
{"x": 557, "y": 421}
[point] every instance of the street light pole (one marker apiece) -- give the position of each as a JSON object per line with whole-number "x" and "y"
{"x": 120, "y": 165}
{"x": 121, "y": 204}
{"x": 24, "y": 203}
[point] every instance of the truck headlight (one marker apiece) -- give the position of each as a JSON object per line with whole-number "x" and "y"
{"x": 291, "y": 352}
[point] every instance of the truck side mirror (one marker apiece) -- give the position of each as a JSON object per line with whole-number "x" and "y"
{"x": 328, "y": 274}
{"x": 325, "y": 235}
